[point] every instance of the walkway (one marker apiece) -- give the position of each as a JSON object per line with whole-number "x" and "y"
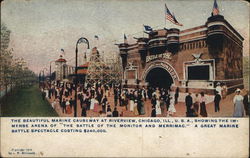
{"x": 226, "y": 107}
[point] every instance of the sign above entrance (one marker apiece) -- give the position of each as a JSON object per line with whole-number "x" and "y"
{"x": 161, "y": 64}
{"x": 158, "y": 56}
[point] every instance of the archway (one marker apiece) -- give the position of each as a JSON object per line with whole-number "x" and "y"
{"x": 159, "y": 77}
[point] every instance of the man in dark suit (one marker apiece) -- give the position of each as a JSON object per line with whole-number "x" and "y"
{"x": 217, "y": 99}
{"x": 63, "y": 106}
{"x": 246, "y": 103}
{"x": 84, "y": 112}
{"x": 153, "y": 112}
{"x": 115, "y": 113}
{"x": 189, "y": 102}
{"x": 72, "y": 102}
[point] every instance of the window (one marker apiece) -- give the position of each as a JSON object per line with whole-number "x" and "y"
{"x": 200, "y": 72}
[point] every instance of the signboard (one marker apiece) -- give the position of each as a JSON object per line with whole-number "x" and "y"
{"x": 158, "y": 56}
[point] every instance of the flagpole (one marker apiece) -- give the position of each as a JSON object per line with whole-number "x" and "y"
{"x": 143, "y": 30}
{"x": 98, "y": 43}
{"x": 165, "y": 15}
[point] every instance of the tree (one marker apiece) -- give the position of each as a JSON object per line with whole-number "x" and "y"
{"x": 12, "y": 72}
{"x": 5, "y": 57}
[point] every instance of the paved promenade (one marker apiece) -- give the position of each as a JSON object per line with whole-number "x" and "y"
{"x": 226, "y": 108}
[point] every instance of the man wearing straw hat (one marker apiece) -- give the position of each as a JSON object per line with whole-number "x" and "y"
{"x": 218, "y": 88}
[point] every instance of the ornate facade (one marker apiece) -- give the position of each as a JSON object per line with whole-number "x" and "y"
{"x": 194, "y": 59}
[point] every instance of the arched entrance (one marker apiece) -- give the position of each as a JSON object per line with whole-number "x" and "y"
{"x": 159, "y": 77}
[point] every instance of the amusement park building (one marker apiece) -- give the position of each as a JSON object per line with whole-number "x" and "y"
{"x": 194, "y": 59}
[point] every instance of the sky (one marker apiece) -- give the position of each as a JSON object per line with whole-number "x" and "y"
{"x": 40, "y": 29}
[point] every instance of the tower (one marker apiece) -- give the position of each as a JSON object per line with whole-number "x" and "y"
{"x": 99, "y": 71}
{"x": 95, "y": 68}
{"x": 60, "y": 68}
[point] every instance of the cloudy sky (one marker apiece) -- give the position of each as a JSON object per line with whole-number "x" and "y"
{"x": 39, "y": 29}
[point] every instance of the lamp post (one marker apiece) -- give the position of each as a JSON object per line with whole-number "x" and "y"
{"x": 80, "y": 40}
{"x": 39, "y": 78}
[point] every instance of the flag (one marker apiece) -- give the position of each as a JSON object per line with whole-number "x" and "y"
{"x": 147, "y": 28}
{"x": 215, "y": 9}
{"x": 176, "y": 22}
{"x": 171, "y": 17}
{"x": 96, "y": 37}
{"x": 125, "y": 39}
{"x": 63, "y": 52}
{"x": 168, "y": 14}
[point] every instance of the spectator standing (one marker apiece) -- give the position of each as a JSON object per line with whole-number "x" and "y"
{"x": 63, "y": 105}
{"x": 196, "y": 103}
{"x": 189, "y": 103}
{"x": 176, "y": 95}
{"x": 246, "y": 102}
{"x": 203, "y": 110}
{"x": 217, "y": 99}
{"x": 109, "y": 112}
{"x": 171, "y": 109}
{"x": 158, "y": 107}
{"x": 218, "y": 88}
{"x": 238, "y": 104}
{"x": 115, "y": 113}
{"x": 153, "y": 112}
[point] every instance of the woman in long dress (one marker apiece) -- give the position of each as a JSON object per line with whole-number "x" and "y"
{"x": 47, "y": 93}
{"x": 203, "y": 110}
{"x": 92, "y": 103}
{"x": 131, "y": 102}
{"x": 171, "y": 109}
{"x": 135, "y": 107}
{"x": 153, "y": 112}
{"x": 196, "y": 103}
{"x": 109, "y": 111}
{"x": 238, "y": 104}
{"x": 158, "y": 107}
{"x": 68, "y": 108}
{"x": 96, "y": 104}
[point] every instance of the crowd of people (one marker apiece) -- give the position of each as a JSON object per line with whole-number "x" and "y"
{"x": 163, "y": 101}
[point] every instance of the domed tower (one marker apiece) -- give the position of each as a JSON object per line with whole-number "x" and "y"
{"x": 60, "y": 68}
{"x": 157, "y": 42}
{"x": 216, "y": 25}
{"x": 173, "y": 40}
{"x": 225, "y": 45}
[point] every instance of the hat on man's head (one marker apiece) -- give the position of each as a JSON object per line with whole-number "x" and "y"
{"x": 238, "y": 90}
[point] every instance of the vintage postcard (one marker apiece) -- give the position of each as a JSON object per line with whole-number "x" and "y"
{"x": 124, "y": 78}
